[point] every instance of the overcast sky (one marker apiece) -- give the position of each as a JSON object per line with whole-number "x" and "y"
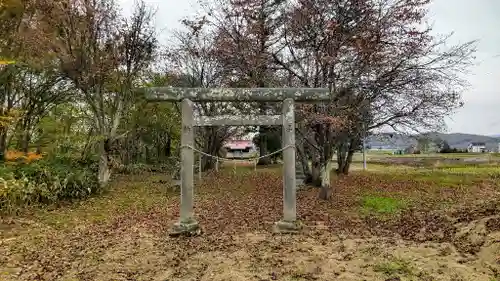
{"x": 469, "y": 20}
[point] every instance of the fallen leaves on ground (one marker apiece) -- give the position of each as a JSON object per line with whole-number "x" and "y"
{"x": 236, "y": 212}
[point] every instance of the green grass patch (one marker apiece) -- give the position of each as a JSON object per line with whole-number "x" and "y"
{"x": 381, "y": 167}
{"x": 446, "y": 175}
{"x": 394, "y": 267}
{"x": 433, "y": 155}
{"x": 472, "y": 169}
{"x": 436, "y": 177}
{"x": 382, "y": 206}
{"x": 443, "y": 178}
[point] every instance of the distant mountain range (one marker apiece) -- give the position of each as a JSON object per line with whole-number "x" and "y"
{"x": 455, "y": 140}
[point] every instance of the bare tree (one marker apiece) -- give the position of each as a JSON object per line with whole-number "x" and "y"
{"x": 39, "y": 92}
{"x": 18, "y": 46}
{"x": 193, "y": 64}
{"x": 102, "y": 54}
{"x": 244, "y": 37}
{"x": 381, "y": 64}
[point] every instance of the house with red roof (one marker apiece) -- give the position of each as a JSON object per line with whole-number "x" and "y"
{"x": 240, "y": 149}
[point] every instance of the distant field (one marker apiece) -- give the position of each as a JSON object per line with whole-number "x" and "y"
{"x": 443, "y": 155}
{"x": 457, "y": 156}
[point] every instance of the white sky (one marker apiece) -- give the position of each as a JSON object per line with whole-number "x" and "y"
{"x": 469, "y": 20}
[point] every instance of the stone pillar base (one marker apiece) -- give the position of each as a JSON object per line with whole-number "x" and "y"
{"x": 185, "y": 228}
{"x": 287, "y": 227}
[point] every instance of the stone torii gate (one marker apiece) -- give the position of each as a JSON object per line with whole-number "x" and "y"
{"x": 187, "y": 224}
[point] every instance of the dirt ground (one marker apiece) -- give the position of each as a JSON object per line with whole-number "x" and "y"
{"x": 123, "y": 235}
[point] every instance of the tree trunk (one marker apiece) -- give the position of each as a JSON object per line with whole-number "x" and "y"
{"x": 88, "y": 144}
{"x": 341, "y": 158}
{"x": 126, "y": 149}
{"x": 263, "y": 147}
{"x": 25, "y": 138}
{"x": 25, "y": 142}
{"x": 39, "y": 141}
{"x": 316, "y": 169}
{"x": 211, "y": 144}
{"x": 147, "y": 154}
{"x": 344, "y": 158}
{"x": 168, "y": 146}
{"x": 348, "y": 161}
{"x": 104, "y": 173}
{"x": 305, "y": 165}
{"x": 207, "y": 163}
{"x": 138, "y": 154}
{"x": 158, "y": 143}
{"x": 3, "y": 143}
{"x": 326, "y": 191}
{"x": 213, "y": 147}
{"x": 304, "y": 160}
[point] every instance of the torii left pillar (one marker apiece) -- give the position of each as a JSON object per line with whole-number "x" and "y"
{"x": 187, "y": 224}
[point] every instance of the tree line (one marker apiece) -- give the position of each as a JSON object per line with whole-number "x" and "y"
{"x": 77, "y": 63}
